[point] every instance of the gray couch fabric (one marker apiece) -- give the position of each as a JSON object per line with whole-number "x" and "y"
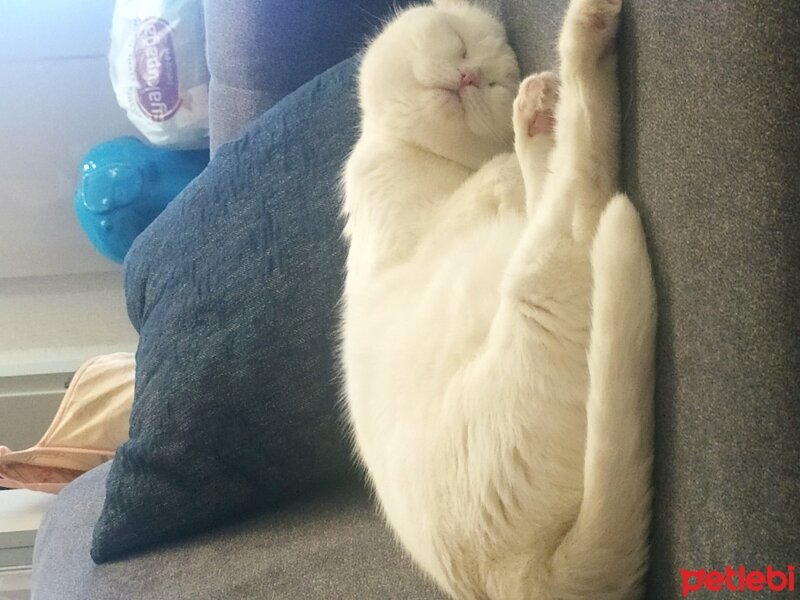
{"x": 711, "y": 141}
{"x": 710, "y": 147}
{"x": 333, "y": 547}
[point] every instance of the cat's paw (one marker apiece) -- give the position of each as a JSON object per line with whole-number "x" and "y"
{"x": 590, "y": 30}
{"x": 535, "y": 105}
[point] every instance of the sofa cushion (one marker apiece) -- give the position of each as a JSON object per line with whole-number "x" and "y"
{"x": 234, "y": 290}
{"x": 326, "y": 546}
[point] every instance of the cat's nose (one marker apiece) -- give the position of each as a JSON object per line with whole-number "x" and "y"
{"x": 468, "y": 77}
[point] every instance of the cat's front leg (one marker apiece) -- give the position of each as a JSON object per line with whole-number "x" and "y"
{"x": 585, "y": 162}
{"x": 534, "y": 129}
{"x": 588, "y": 36}
{"x": 549, "y": 276}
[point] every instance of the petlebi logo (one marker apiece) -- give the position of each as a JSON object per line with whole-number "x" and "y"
{"x": 739, "y": 579}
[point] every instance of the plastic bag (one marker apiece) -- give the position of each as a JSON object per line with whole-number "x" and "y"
{"x": 158, "y": 69}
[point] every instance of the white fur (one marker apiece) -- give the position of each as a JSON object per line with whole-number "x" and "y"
{"x": 498, "y": 341}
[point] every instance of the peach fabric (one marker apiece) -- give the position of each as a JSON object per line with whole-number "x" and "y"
{"x": 91, "y": 422}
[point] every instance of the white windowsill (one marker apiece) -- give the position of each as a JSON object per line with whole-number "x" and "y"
{"x": 21, "y": 512}
{"x": 20, "y": 363}
{"x": 15, "y": 583}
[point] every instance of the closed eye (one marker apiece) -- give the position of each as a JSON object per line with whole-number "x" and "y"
{"x": 463, "y": 45}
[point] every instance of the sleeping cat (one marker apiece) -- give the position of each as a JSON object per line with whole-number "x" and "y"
{"x": 499, "y": 310}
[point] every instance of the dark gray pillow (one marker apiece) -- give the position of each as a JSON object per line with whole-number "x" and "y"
{"x": 234, "y": 292}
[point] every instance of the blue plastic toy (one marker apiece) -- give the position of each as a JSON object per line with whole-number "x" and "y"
{"x": 125, "y": 184}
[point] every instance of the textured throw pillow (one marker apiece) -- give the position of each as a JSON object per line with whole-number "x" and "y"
{"x": 91, "y": 421}
{"x": 234, "y": 292}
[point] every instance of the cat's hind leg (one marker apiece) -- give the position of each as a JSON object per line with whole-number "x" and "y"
{"x": 607, "y": 548}
{"x": 551, "y": 533}
{"x": 570, "y": 276}
{"x": 550, "y": 314}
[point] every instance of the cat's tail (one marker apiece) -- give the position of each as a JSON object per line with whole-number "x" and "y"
{"x": 606, "y": 550}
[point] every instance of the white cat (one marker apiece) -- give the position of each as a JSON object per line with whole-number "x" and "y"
{"x": 499, "y": 310}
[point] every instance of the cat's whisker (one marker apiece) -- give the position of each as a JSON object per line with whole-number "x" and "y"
{"x": 483, "y": 114}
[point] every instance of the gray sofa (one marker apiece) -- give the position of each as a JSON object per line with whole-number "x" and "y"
{"x": 710, "y": 140}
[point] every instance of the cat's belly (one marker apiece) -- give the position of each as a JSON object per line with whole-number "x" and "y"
{"x": 409, "y": 329}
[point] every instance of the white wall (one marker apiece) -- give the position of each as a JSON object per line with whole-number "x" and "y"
{"x": 52, "y": 324}
{"x": 60, "y": 301}
{"x": 56, "y": 103}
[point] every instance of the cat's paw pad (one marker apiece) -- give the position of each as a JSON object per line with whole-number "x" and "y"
{"x": 590, "y": 28}
{"x": 535, "y": 104}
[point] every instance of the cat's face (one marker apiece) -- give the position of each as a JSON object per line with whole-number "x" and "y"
{"x": 442, "y": 77}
